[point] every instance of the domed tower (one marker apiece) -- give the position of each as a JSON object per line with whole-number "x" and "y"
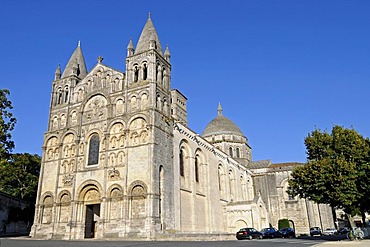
{"x": 226, "y": 136}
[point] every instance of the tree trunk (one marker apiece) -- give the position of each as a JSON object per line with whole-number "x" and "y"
{"x": 350, "y": 221}
{"x": 363, "y": 219}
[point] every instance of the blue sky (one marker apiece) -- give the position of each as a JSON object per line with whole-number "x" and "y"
{"x": 279, "y": 68}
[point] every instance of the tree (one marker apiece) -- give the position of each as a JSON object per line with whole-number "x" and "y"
{"x": 7, "y": 122}
{"x": 19, "y": 176}
{"x": 336, "y": 170}
{"x": 18, "y": 172}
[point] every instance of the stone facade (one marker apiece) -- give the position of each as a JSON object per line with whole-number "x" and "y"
{"x": 119, "y": 160}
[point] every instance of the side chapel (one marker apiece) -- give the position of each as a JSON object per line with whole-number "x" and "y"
{"x": 119, "y": 160}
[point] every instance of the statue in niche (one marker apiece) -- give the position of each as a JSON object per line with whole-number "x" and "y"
{"x": 116, "y": 82}
{"x": 63, "y": 121}
{"x": 120, "y": 158}
{"x": 144, "y": 101}
{"x": 144, "y": 135}
{"x": 134, "y": 138}
{"x": 112, "y": 160}
{"x": 122, "y": 141}
{"x": 74, "y": 118}
{"x": 119, "y": 107}
{"x": 114, "y": 142}
{"x": 73, "y": 150}
{"x": 72, "y": 167}
{"x": 104, "y": 143}
{"x": 65, "y": 167}
{"x": 82, "y": 146}
{"x": 80, "y": 95}
{"x": 55, "y": 123}
{"x": 50, "y": 154}
{"x": 80, "y": 163}
{"x": 133, "y": 103}
{"x": 56, "y": 153}
{"x": 66, "y": 151}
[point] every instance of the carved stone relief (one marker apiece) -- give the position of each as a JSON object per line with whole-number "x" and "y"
{"x": 113, "y": 174}
{"x": 95, "y": 109}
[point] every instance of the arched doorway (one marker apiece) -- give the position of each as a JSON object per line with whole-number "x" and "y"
{"x": 91, "y": 207}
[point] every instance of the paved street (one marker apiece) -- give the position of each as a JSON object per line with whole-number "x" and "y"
{"x": 27, "y": 242}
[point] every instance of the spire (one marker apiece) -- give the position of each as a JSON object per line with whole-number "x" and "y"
{"x": 148, "y": 35}
{"x": 77, "y": 59}
{"x": 167, "y": 54}
{"x": 130, "y": 48}
{"x": 219, "y": 109}
{"x": 57, "y": 73}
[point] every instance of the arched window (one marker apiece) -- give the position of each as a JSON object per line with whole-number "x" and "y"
{"x": 196, "y": 168}
{"x": 219, "y": 178}
{"x": 237, "y": 153}
{"x": 161, "y": 194}
{"x": 94, "y": 150}
{"x": 145, "y": 72}
{"x": 136, "y": 74}
{"x": 66, "y": 91}
{"x": 60, "y": 96}
{"x": 231, "y": 151}
{"x": 182, "y": 172}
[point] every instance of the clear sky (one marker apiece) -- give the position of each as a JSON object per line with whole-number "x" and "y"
{"x": 279, "y": 68}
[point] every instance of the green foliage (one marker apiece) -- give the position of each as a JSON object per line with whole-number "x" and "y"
{"x": 19, "y": 175}
{"x": 336, "y": 171}
{"x": 18, "y": 172}
{"x": 283, "y": 223}
{"x": 7, "y": 122}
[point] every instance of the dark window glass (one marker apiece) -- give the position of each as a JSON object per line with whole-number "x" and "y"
{"x": 93, "y": 150}
{"x": 196, "y": 169}
{"x": 182, "y": 163}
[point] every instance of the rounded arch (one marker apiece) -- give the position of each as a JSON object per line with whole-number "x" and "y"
{"x": 185, "y": 145}
{"x": 117, "y": 126}
{"x": 51, "y": 141}
{"x": 284, "y": 186}
{"x": 47, "y": 199}
{"x": 184, "y": 153}
{"x": 138, "y": 188}
{"x": 69, "y": 136}
{"x": 118, "y": 99}
{"x": 92, "y": 132}
{"x": 133, "y": 121}
{"x": 91, "y": 96}
{"x": 115, "y": 191}
{"x": 99, "y": 69}
{"x": 90, "y": 186}
{"x": 64, "y": 196}
{"x": 240, "y": 222}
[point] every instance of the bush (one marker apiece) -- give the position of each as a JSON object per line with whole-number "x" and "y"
{"x": 283, "y": 223}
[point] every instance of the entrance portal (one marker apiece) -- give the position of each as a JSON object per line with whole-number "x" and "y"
{"x": 91, "y": 220}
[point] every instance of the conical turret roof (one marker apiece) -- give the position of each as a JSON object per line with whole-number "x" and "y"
{"x": 78, "y": 59}
{"x": 149, "y": 33}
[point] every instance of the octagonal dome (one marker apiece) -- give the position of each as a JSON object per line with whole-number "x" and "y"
{"x": 221, "y": 125}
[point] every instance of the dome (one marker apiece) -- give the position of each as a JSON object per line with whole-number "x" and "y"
{"x": 221, "y": 125}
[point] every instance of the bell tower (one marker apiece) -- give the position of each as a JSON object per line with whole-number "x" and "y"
{"x": 148, "y": 94}
{"x": 149, "y": 67}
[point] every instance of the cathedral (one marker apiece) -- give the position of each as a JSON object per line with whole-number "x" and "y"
{"x": 120, "y": 161}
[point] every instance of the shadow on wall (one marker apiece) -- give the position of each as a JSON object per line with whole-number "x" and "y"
{"x": 16, "y": 216}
